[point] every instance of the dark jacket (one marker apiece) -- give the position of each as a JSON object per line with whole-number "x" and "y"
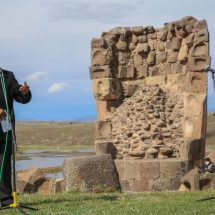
{"x": 13, "y": 93}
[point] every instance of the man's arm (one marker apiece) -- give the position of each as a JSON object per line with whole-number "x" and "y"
{"x": 22, "y": 93}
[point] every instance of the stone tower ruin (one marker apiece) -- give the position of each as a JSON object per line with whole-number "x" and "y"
{"x": 150, "y": 86}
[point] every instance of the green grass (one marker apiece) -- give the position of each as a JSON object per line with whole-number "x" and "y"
{"x": 164, "y": 203}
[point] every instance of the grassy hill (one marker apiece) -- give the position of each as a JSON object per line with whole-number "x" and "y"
{"x": 210, "y": 140}
{"x": 59, "y": 134}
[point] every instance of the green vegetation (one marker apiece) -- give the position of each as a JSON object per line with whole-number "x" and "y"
{"x": 165, "y": 203}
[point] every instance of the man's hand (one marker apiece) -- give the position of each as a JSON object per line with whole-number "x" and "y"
{"x": 3, "y": 114}
{"x": 24, "y": 89}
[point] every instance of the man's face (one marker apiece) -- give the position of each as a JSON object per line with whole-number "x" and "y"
{"x": 207, "y": 162}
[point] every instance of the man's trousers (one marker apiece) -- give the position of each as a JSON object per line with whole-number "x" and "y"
{"x": 5, "y": 182}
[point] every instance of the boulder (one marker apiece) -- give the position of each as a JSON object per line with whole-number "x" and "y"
{"x": 191, "y": 179}
{"x": 183, "y": 188}
{"x": 88, "y": 173}
{"x": 30, "y": 180}
{"x": 47, "y": 187}
{"x": 52, "y": 186}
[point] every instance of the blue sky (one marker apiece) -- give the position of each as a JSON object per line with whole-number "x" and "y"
{"x": 47, "y": 43}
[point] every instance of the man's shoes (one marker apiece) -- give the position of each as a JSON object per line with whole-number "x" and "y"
{"x": 5, "y": 202}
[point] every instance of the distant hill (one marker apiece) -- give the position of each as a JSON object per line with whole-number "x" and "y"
{"x": 210, "y": 140}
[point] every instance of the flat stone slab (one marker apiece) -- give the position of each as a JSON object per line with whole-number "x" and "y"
{"x": 90, "y": 173}
{"x": 139, "y": 175}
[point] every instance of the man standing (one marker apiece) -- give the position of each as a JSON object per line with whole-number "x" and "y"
{"x": 21, "y": 94}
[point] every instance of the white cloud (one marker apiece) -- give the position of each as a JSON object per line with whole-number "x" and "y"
{"x": 58, "y": 87}
{"x": 37, "y": 76}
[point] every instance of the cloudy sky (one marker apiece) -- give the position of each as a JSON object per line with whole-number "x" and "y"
{"x": 47, "y": 43}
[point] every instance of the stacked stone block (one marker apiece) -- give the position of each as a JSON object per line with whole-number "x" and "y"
{"x": 150, "y": 87}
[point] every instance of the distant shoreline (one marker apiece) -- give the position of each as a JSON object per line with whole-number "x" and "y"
{"x": 54, "y": 121}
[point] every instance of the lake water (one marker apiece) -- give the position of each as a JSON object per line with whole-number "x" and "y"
{"x": 44, "y": 159}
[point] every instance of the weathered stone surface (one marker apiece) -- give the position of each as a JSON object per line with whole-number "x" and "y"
{"x": 183, "y": 188}
{"x": 105, "y": 147}
{"x": 196, "y": 82}
{"x": 131, "y": 168}
{"x": 211, "y": 155}
{"x": 59, "y": 185}
{"x": 138, "y": 60}
{"x": 149, "y": 170}
{"x": 138, "y": 30}
{"x": 88, "y": 173}
{"x": 172, "y": 56}
{"x": 174, "y": 44}
{"x": 134, "y": 39}
{"x": 201, "y": 25}
{"x": 189, "y": 40}
{"x": 193, "y": 104}
{"x": 176, "y": 82}
{"x": 106, "y": 89}
{"x": 207, "y": 182}
{"x": 51, "y": 186}
{"x": 132, "y": 46}
{"x": 101, "y": 72}
{"x": 98, "y": 43}
{"x": 163, "y": 184}
{"x": 183, "y": 54}
{"x": 167, "y": 151}
{"x": 101, "y": 57}
{"x": 105, "y": 109}
{"x": 142, "y": 39}
{"x": 130, "y": 72}
{"x": 123, "y": 58}
{"x": 198, "y": 63}
{"x": 172, "y": 169}
{"x": 130, "y": 87}
{"x": 30, "y": 180}
{"x": 161, "y": 46}
{"x": 201, "y": 36}
{"x": 122, "y": 45}
{"x": 47, "y": 187}
{"x": 151, "y": 58}
{"x": 142, "y": 48}
{"x": 120, "y": 168}
{"x": 162, "y": 57}
{"x": 156, "y": 80}
{"x": 199, "y": 50}
{"x": 154, "y": 71}
{"x": 193, "y": 127}
{"x": 104, "y": 130}
{"x": 142, "y": 71}
{"x": 122, "y": 72}
{"x": 191, "y": 179}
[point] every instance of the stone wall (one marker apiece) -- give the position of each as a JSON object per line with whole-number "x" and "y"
{"x": 150, "y": 87}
